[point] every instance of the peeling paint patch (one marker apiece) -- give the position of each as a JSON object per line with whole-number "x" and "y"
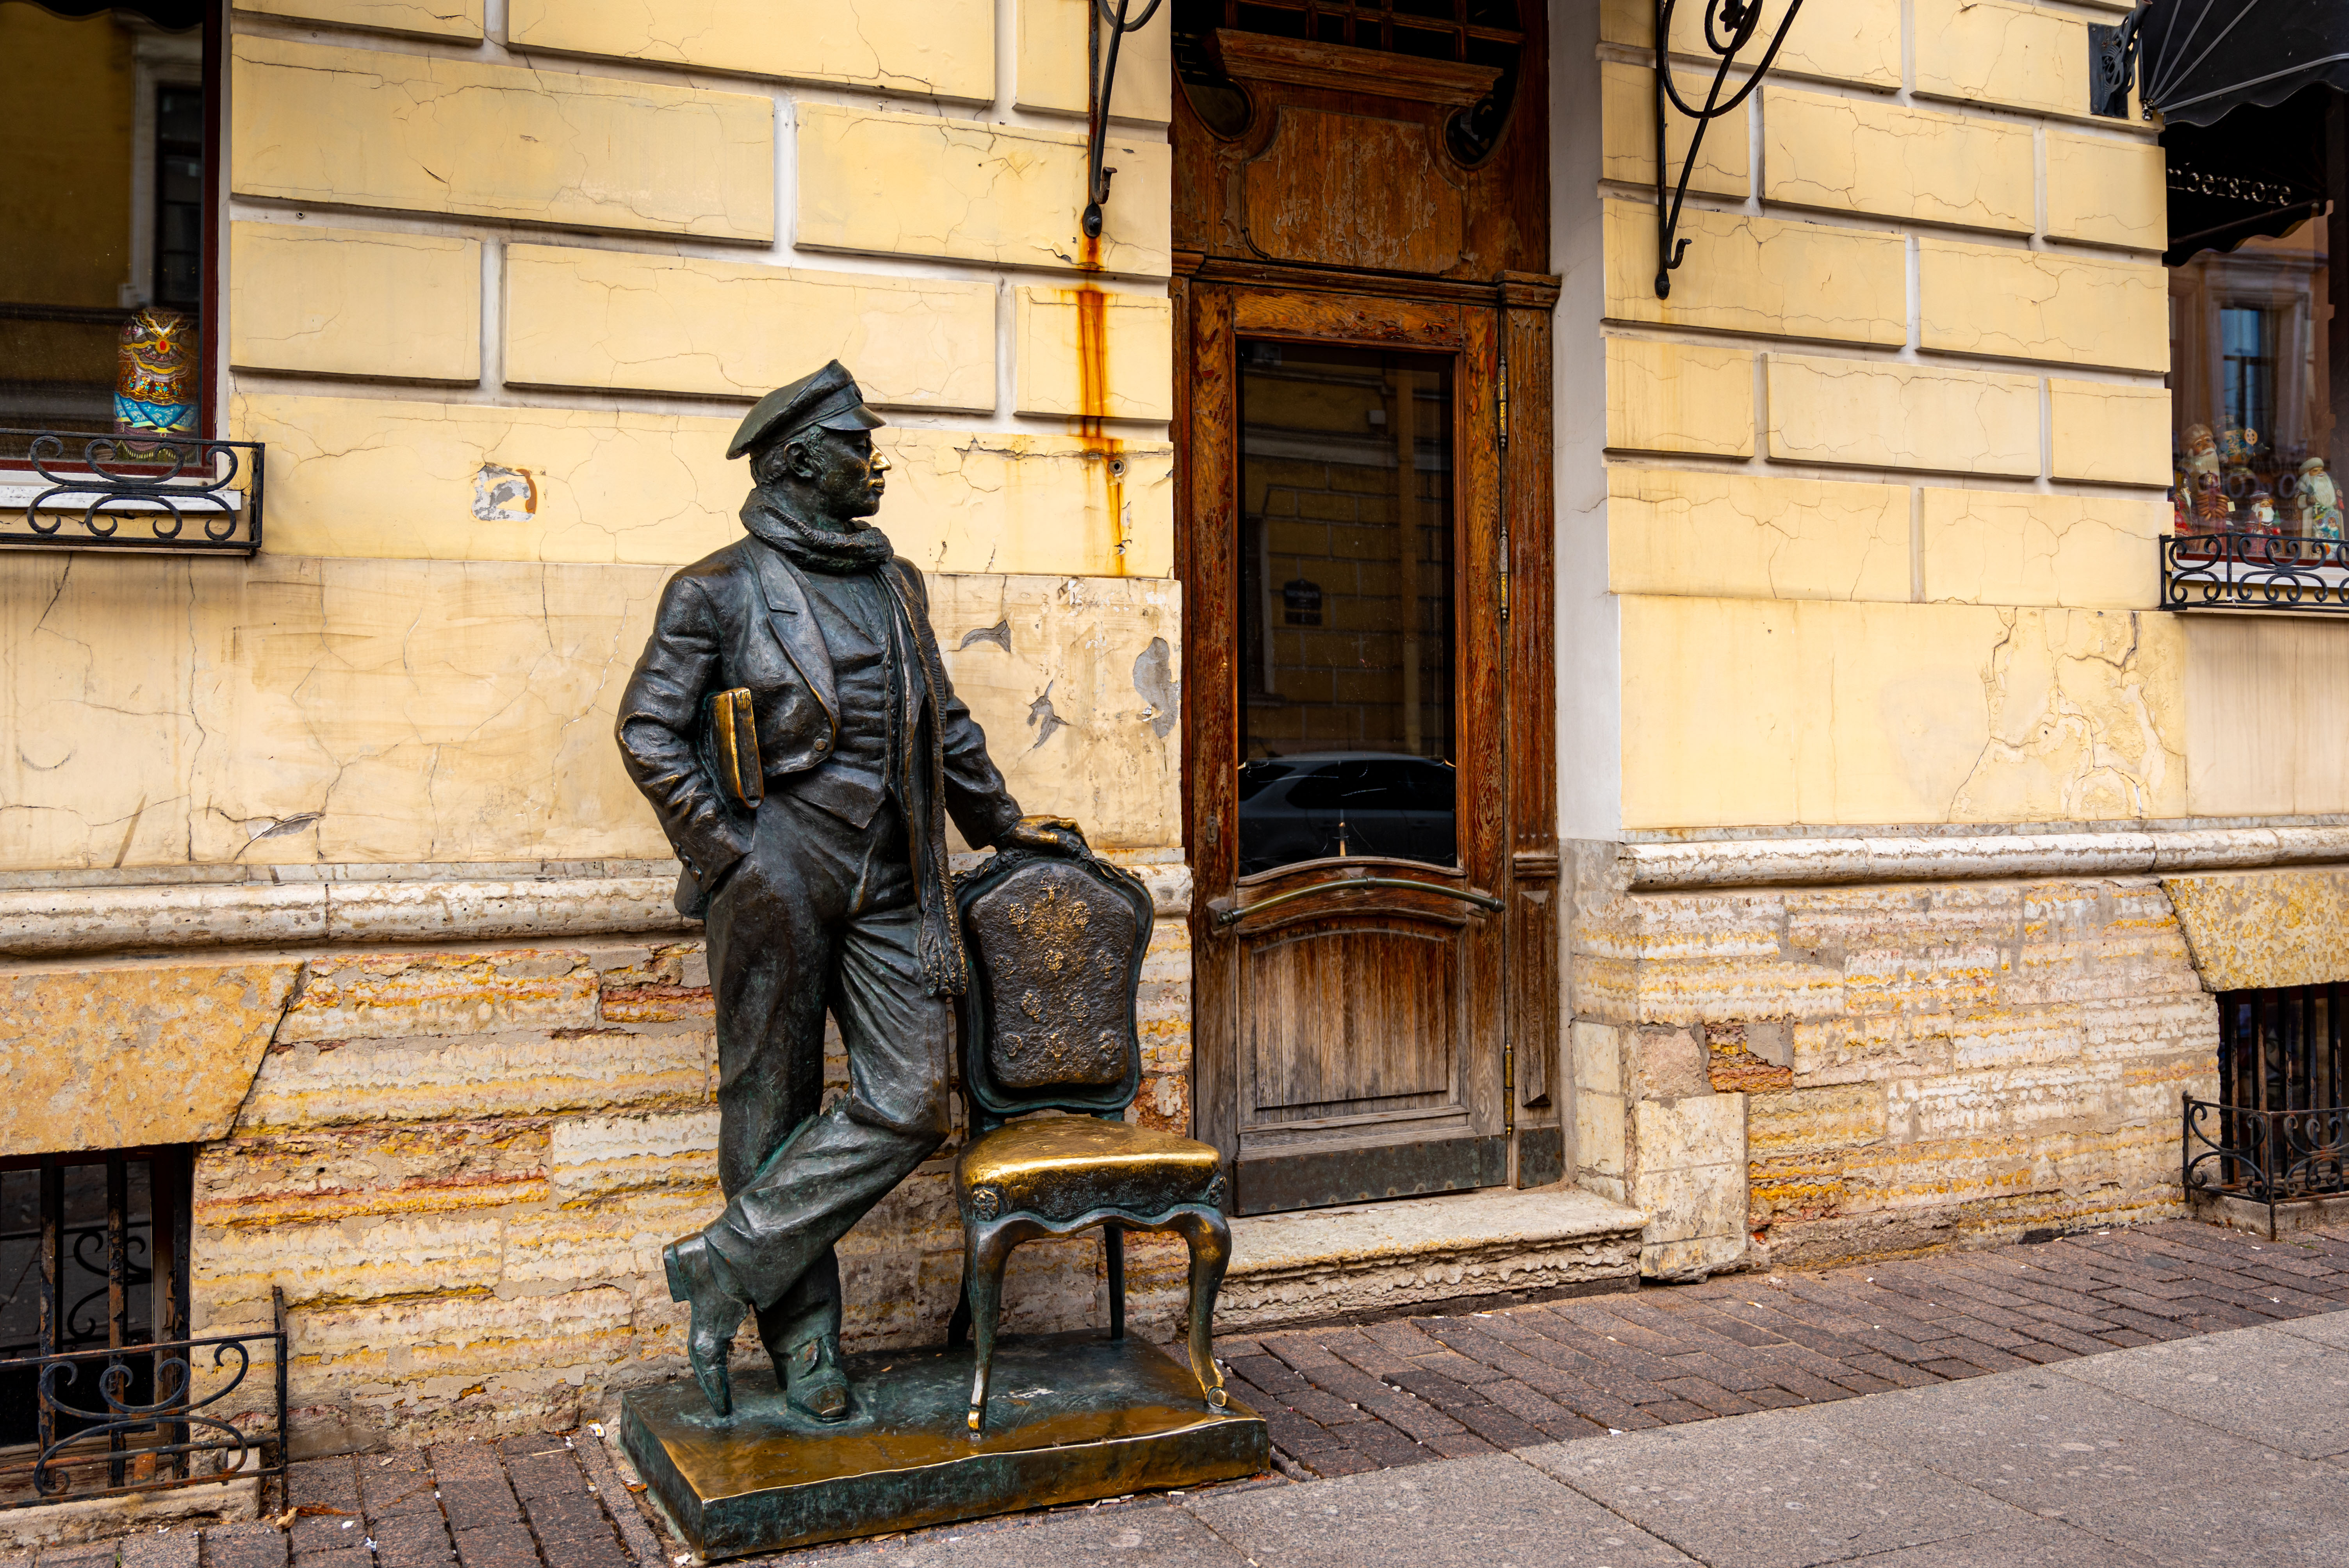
{"x": 1154, "y": 677}
{"x": 998, "y": 633}
{"x": 1043, "y": 720}
{"x": 503, "y": 495}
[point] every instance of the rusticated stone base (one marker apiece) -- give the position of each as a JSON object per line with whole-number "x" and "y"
{"x": 1806, "y": 1076}
{"x": 460, "y": 1162}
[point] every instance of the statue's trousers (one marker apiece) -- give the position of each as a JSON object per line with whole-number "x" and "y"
{"x": 819, "y": 916}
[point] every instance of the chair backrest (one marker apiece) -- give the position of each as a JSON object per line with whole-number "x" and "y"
{"x": 1056, "y": 943}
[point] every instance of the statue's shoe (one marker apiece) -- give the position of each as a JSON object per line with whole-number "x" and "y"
{"x": 812, "y": 1381}
{"x": 693, "y": 1278}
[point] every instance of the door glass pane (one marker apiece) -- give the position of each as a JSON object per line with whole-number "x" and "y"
{"x": 1345, "y": 605}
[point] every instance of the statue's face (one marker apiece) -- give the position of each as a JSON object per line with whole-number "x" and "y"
{"x": 838, "y": 472}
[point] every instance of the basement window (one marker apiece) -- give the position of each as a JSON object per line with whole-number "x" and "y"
{"x": 2279, "y": 1130}
{"x": 102, "y": 1389}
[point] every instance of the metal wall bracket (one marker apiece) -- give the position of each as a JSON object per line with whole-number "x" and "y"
{"x": 2112, "y": 66}
{"x": 1729, "y": 27}
{"x": 1101, "y": 77}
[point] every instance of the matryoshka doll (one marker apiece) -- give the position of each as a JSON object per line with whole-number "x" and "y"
{"x": 155, "y": 379}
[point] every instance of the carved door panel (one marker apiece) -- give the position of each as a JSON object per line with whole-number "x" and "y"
{"x": 1348, "y": 795}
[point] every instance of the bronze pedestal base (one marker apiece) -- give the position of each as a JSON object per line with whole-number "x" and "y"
{"x": 1073, "y": 1416}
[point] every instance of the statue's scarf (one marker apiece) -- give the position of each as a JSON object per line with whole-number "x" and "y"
{"x": 817, "y": 549}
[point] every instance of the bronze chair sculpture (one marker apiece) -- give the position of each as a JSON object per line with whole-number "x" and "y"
{"x": 1056, "y": 943}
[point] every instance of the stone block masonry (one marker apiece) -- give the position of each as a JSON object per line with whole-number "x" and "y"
{"x": 459, "y": 1164}
{"x": 1804, "y": 1076}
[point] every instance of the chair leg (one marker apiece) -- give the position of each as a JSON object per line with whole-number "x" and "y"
{"x": 1113, "y": 1256}
{"x": 1210, "y": 1240}
{"x": 984, "y": 1256}
{"x": 958, "y": 1320}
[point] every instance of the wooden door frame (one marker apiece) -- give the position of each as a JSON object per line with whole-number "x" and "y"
{"x": 1510, "y": 615}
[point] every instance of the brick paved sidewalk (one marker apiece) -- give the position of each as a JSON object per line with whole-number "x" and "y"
{"x": 1343, "y": 1401}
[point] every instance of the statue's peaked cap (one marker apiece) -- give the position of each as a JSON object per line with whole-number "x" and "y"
{"x": 830, "y": 398}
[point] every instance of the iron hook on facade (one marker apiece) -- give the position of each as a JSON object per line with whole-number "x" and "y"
{"x": 1729, "y": 27}
{"x": 1100, "y": 80}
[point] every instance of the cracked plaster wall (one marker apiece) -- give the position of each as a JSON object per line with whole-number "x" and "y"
{"x": 609, "y": 319}
{"x": 379, "y": 129}
{"x": 496, "y": 390}
{"x": 1812, "y": 711}
{"x": 305, "y": 710}
{"x": 1859, "y": 42}
{"x": 1885, "y": 467}
{"x": 920, "y": 47}
{"x": 321, "y": 299}
{"x": 390, "y": 479}
{"x": 429, "y": 18}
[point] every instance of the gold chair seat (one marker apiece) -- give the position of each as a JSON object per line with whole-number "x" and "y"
{"x": 1056, "y": 1168}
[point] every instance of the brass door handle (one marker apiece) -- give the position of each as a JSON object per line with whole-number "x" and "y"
{"x": 1227, "y": 913}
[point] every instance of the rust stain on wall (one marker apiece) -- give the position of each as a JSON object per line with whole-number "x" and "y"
{"x": 1101, "y": 449}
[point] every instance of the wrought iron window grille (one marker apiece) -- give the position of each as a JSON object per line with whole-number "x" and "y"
{"x": 67, "y": 490}
{"x": 1729, "y": 27}
{"x": 200, "y": 1429}
{"x": 2279, "y": 1131}
{"x": 2254, "y": 572}
{"x": 103, "y": 1392}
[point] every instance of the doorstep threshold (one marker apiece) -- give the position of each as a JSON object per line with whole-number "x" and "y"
{"x": 1426, "y": 1257}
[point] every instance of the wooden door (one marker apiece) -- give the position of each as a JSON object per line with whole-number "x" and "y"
{"x": 1348, "y": 780}
{"x": 1362, "y": 341}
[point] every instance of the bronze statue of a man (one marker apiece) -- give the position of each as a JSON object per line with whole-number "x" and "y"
{"x": 793, "y": 727}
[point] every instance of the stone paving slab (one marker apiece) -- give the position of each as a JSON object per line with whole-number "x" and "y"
{"x": 2082, "y": 1400}
{"x": 2293, "y": 1394}
{"x": 1494, "y": 1511}
{"x": 1774, "y": 1491}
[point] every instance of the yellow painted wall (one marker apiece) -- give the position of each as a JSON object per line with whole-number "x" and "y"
{"x": 495, "y": 306}
{"x": 1886, "y": 468}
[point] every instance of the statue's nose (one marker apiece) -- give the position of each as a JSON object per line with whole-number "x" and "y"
{"x": 880, "y": 464}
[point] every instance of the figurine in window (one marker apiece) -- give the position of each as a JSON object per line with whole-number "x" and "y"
{"x": 2320, "y": 501}
{"x": 2202, "y": 454}
{"x": 155, "y": 379}
{"x": 2260, "y": 515}
{"x": 2210, "y": 509}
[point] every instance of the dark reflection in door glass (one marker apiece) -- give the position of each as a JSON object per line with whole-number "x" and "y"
{"x": 1345, "y": 605}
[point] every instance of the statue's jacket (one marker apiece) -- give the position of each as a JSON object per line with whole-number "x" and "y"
{"x": 743, "y": 617}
